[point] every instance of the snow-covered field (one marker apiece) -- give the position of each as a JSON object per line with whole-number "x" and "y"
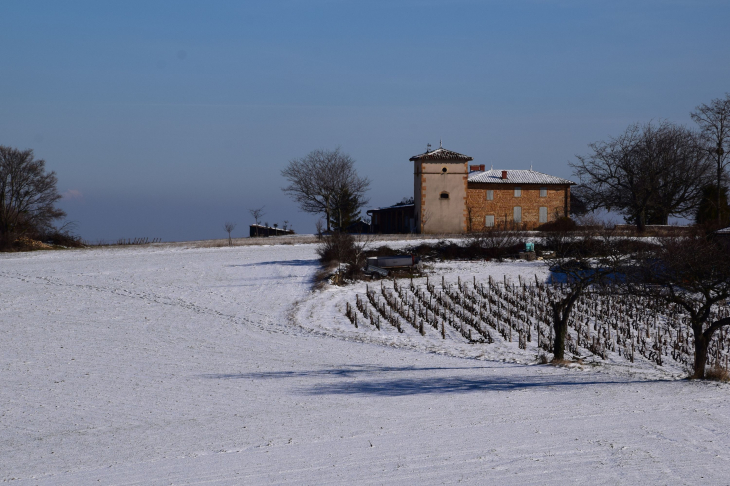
{"x": 173, "y": 365}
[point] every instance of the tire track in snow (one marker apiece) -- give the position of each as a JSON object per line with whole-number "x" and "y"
{"x": 145, "y": 296}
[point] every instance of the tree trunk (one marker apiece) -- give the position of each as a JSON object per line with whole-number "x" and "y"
{"x": 560, "y": 325}
{"x": 719, "y": 179}
{"x": 327, "y": 213}
{"x": 700, "y": 354}
{"x": 641, "y": 221}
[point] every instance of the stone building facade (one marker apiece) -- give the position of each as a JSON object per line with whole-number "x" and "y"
{"x": 453, "y": 197}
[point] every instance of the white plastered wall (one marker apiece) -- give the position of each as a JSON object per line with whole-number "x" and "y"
{"x": 436, "y": 215}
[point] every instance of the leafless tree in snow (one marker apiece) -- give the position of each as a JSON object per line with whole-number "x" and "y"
{"x": 316, "y": 180}
{"x": 229, "y": 227}
{"x": 714, "y": 123}
{"x": 27, "y": 194}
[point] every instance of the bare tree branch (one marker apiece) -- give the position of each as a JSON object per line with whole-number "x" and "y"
{"x": 692, "y": 272}
{"x": 229, "y": 227}
{"x": 27, "y": 194}
{"x": 257, "y": 214}
{"x": 714, "y": 123}
{"x": 318, "y": 180}
{"x": 648, "y": 173}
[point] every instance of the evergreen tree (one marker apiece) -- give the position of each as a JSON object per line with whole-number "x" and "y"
{"x": 345, "y": 209}
{"x": 707, "y": 211}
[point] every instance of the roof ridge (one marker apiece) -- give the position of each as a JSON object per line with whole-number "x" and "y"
{"x": 441, "y": 153}
{"x": 518, "y": 176}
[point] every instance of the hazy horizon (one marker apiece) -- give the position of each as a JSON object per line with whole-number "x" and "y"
{"x": 166, "y": 119}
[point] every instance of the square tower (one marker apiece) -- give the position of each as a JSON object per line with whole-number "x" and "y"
{"x": 439, "y": 191}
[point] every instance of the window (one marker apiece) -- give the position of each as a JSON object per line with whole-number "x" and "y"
{"x": 518, "y": 191}
{"x": 490, "y": 195}
{"x": 543, "y": 192}
{"x": 489, "y": 220}
{"x": 444, "y": 170}
{"x": 543, "y": 215}
{"x": 444, "y": 195}
{"x": 518, "y": 214}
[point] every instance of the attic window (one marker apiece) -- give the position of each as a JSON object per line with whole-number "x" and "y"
{"x": 444, "y": 195}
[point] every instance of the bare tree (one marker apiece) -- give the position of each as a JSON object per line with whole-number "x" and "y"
{"x": 714, "y": 123}
{"x": 257, "y": 215}
{"x": 319, "y": 228}
{"x": 229, "y": 227}
{"x": 316, "y": 179}
{"x": 648, "y": 173}
{"x": 27, "y": 194}
{"x": 581, "y": 264}
{"x": 692, "y": 272}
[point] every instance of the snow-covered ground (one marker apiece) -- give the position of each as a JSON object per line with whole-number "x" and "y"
{"x": 173, "y": 365}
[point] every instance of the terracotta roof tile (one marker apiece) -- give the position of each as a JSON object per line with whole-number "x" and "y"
{"x": 441, "y": 154}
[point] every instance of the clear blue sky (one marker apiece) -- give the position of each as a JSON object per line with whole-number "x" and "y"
{"x": 166, "y": 119}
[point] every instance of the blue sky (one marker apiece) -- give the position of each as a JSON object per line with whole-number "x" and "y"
{"x": 166, "y": 119}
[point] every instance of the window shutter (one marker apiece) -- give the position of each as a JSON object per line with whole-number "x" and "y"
{"x": 489, "y": 221}
{"x": 543, "y": 215}
{"x": 518, "y": 214}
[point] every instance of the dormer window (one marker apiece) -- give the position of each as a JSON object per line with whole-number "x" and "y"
{"x": 444, "y": 195}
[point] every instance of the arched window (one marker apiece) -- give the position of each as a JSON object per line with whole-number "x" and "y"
{"x": 444, "y": 195}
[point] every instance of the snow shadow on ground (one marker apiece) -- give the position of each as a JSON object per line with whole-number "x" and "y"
{"x": 452, "y": 384}
{"x": 285, "y": 263}
{"x": 426, "y": 385}
{"x": 347, "y": 371}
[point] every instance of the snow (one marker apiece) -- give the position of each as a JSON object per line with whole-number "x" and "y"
{"x": 172, "y": 365}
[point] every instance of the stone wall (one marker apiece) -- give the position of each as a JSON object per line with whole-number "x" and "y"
{"x": 504, "y": 202}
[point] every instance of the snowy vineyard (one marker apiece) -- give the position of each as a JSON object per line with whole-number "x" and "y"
{"x": 606, "y": 326}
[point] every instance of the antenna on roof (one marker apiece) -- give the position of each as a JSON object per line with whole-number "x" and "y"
{"x": 530, "y": 166}
{"x": 492, "y": 167}
{"x": 440, "y": 145}
{"x": 428, "y": 147}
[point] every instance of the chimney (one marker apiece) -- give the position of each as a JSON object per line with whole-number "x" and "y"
{"x": 474, "y": 168}
{"x": 504, "y": 174}
{"x": 481, "y": 167}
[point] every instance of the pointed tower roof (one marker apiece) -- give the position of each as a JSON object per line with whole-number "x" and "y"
{"x": 441, "y": 154}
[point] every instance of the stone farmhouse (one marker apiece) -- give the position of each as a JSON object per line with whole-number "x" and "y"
{"x": 450, "y": 196}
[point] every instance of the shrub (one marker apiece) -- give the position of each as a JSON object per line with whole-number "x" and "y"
{"x": 342, "y": 248}
{"x": 336, "y": 248}
{"x": 61, "y": 238}
{"x": 718, "y": 373}
{"x": 561, "y": 224}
